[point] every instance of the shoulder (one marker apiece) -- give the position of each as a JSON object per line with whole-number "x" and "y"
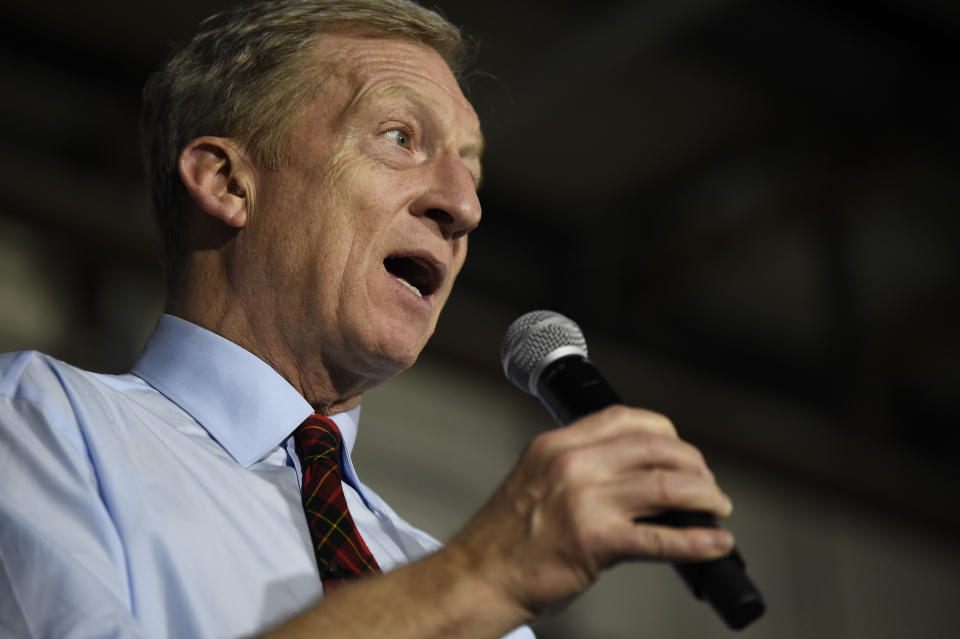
{"x": 29, "y": 376}
{"x": 33, "y": 397}
{"x": 41, "y": 393}
{"x": 35, "y": 376}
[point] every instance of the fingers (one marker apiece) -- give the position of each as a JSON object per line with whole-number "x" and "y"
{"x": 647, "y": 493}
{"x": 674, "y": 544}
{"x": 615, "y": 441}
{"x": 632, "y": 465}
{"x": 644, "y": 450}
{"x": 628, "y": 517}
{"x": 619, "y": 419}
{"x": 570, "y": 507}
{"x": 610, "y": 423}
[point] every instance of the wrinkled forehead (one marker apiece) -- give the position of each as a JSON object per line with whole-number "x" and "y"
{"x": 362, "y": 58}
{"x": 366, "y": 67}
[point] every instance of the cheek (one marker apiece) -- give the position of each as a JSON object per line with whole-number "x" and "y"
{"x": 459, "y": 255}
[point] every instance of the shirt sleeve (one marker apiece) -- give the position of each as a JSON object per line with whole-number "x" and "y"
{"x": 62, "y": 570}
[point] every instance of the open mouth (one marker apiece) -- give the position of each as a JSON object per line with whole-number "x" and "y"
{"x": 421, "y": 276}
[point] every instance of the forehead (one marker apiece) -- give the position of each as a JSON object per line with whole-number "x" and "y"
{"x": 366, "y": 66}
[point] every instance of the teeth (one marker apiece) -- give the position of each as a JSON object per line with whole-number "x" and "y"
{"x": 410, "y": 286}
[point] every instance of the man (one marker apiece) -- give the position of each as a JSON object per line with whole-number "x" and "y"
{"x": 314, "y": 167}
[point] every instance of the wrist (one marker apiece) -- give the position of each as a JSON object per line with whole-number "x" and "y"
{"x": 479, "y": 590}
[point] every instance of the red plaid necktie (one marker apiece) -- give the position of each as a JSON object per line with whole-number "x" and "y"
{"x": 341, "y": 553}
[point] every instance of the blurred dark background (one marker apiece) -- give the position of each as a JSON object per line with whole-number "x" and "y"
{"x": 750, "y": 207}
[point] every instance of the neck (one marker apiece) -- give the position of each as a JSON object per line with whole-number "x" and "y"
{"x": 215, "y": 310}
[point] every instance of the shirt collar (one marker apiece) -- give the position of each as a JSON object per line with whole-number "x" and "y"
{"x": 347, "y": 422}
{"x": 347, "y": 425}
{"x": 239, "y": 399}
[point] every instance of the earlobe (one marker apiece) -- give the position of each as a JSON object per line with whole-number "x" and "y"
{"x": 213, "y": 172}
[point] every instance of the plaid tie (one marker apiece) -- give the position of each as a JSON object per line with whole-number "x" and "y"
{"x": 341, "y": 553}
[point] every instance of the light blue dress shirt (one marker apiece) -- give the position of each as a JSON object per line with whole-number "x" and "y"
{"x": 165, "y": 502}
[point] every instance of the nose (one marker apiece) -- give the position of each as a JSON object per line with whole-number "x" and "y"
{"x": 451, "y": 200}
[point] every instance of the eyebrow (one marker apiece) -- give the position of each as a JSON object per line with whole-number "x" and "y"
{"x": 474, "y": 147}
{"x": 475, "y": 150}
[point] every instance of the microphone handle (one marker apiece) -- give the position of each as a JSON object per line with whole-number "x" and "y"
{"x": 570, "y": 388}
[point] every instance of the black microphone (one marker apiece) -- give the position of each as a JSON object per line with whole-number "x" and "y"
{"x": 545, "y": 354}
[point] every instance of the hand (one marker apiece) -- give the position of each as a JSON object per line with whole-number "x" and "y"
{"x": 567, "y": 509}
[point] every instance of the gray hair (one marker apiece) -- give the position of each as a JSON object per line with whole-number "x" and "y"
{"x": 241, "y": 77}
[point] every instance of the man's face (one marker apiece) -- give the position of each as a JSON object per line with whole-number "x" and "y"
{"x": 353, "y": 245}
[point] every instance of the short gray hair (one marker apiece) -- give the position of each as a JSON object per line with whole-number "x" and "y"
{"x": 240, "y": 77}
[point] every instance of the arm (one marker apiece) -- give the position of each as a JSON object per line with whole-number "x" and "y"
{"x": 61, "y": 570}
{"x": 564, "y": 513}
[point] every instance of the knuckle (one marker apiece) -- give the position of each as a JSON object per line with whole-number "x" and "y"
{"x": 615, "y": 417}
{"x": 563, "y": 465}
{"x": 652, "y": 542}
{"x": 640, "y": 418}
{"x": 706, "y": 469}
{"x": 663, "y": 487}
{"x": 618, "y": 412}
{"x": 542, "y": 445}
{"x": 653, "y": 443}
{"x": 696, "y": 457}
{"x": 661, "y": 423}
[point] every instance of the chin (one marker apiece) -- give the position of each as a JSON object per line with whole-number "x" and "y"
{"x": 404, "y": 355}
{"x": 392, "y": 356}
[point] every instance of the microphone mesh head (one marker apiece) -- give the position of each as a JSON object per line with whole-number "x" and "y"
{"x": 532, "y": 341}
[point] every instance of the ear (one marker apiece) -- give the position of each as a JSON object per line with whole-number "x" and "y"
{"x": 218, "y": 177}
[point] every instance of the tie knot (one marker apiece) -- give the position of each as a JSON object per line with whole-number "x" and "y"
{"x": 318, "y": 439}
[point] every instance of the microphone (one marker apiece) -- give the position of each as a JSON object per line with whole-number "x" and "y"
{"x": 545, "y": 354}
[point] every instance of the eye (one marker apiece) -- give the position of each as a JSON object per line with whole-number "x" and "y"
{"x": 398, "y": 137}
